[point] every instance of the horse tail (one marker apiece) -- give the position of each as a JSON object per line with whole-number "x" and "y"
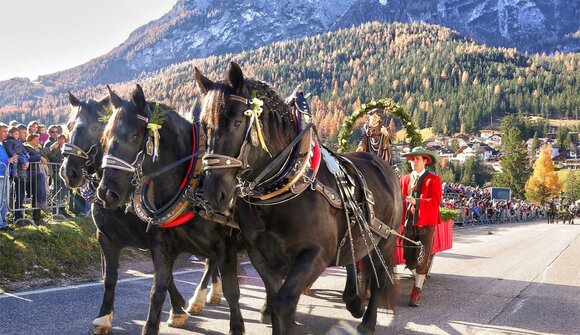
{"x": 387, "y": 285}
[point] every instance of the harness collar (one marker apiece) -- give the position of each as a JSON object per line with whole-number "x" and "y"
{"x": 177, "y": 210}
{"x": 300, "y": 161}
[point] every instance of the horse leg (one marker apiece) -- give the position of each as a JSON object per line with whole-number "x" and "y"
{"x": 272, "y": 282}
{"x": 306, "y": 268}
{"x": 163, "y": 264}
{"x": 383, "y": 291}
{"x": 354, "y": 303}
{"x": 215, "y": 292}
{"x": 177, "y": 315}
{"x": 231, "y": 288}
{"x": 110, "y": 254}
{"x": 197, "y": 302}
{"x": 369, "y": 322}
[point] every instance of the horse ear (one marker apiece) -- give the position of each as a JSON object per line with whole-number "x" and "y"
{"x": 138, "y": 98}
{"x": 115, "y": 100}
{"x": 73, "y": 100}
{"x": 203, "y": 83}
{"x": 236, "y": 77}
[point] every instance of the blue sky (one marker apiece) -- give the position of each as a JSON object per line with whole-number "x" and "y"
{"x": 44, "y": 36}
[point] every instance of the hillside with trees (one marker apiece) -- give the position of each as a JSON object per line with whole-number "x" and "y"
{"x": 444, "y": 80}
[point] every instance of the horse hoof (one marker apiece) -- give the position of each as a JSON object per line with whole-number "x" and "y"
{"x": 102, "y": 325}
{"x": 362, "y": 330}
{"x": 194, "y": 309}
{"x": 99, "y": 329}
{"x": 176, "y": 320}
{"x": 266, "y": 319}
{"x": 215, "y": 301}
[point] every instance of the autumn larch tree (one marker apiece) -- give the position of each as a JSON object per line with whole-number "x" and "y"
{"x": 544, "y": 183}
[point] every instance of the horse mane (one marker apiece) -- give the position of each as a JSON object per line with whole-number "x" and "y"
{"x": 174, "y": 120}
{"x": 278, "y": 116}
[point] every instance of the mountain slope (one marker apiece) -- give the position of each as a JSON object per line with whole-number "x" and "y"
{"x": 199, "y": 28}
{"x": 443, "y": 79}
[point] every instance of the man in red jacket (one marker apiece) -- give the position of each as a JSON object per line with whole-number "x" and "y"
{"x": 421, "y": 191}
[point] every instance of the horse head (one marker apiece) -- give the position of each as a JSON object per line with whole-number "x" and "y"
{"x": 142, "y": 137}
{"x": 83, "y": 153}
{"x": 244, "y": 120}
{"x": 124, "y": 147}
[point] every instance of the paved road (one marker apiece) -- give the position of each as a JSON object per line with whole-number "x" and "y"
{"x": 501, "y": 279}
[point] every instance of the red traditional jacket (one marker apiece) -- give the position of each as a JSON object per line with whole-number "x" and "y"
{"x": 426, "y": 212}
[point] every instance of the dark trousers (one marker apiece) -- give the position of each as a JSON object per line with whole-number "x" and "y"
{"x": 425, "y": 235}
{"x": 19, "y": 189}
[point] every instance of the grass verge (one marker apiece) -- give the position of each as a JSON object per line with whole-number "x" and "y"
{"x": 58, "y": 250}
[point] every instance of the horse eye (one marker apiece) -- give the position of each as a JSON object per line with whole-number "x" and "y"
{"x": 134, "y": 137}
{"x": 237, "y": 123}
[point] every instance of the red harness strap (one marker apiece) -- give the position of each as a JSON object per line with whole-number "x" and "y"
{"x": 189, "y": 215}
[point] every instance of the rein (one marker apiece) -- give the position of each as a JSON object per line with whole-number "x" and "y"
{"x": 247, "y": 188}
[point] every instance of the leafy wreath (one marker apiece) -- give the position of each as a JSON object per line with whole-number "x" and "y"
{"x": 388, "y": 105}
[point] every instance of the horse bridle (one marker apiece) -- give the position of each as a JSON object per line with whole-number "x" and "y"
{"x": 220, "y": 162}
{"x": 116, "y": 163}
{"x": 69, "y": 149}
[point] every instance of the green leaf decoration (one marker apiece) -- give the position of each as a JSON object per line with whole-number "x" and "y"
{"x": 449, "y": 214}
{"x": 158, "y": 115}
{"x": 107, "y": 112}
{"x": 389, "y": 106}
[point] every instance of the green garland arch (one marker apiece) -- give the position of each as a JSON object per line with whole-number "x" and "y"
{"x": 388, "y": 105}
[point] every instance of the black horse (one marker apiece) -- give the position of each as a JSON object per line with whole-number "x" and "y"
{"x": 125, "y": 138}
{"x": 551, "y": 211}
{"x": 117, "y": 229}
{"x": 291, "y": 241}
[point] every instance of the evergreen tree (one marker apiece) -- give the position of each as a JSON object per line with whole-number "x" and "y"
{"x": 469, "y": 171}
{"x": 544, "y": 183}
{"x": 514, "y": 163}
{"x": 572, "y": 187}
{"x": 444, "y": 169}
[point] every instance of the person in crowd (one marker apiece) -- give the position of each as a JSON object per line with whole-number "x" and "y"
{"x": 15, "y": 148}
{"x": 376, "y": 137}
{"x": 37, "y": 185}
{"x": 13, "y": 123}
{"x": 52, "y": 135}
{"x": 5, "y": 160}
{"x": 33, "y": 127}
{"x": 55, "y": 157}
{"x": 43, "y": 134}
{"x": 23, "y": 132}
{"x": 422, "y": 194}
{"x": 20, "y": 183}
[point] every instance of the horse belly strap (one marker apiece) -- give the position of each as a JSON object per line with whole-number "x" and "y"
{"x": 331, "y": 195}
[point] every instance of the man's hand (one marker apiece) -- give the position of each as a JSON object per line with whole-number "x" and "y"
{"x": 385, "y": 131}
{"x": 43, "y": 160}
{"x": 25, "y": 165}
{"x": 55, "y": 146}
{"x": 411, "y": 200}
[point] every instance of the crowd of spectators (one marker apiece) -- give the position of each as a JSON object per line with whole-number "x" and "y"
{"x": 476, "y": 205}
{"x": 32, "y": 154}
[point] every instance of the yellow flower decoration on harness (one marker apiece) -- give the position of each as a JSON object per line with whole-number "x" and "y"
{"x": 154, "y": 131}
{"x": 153, "y": 125}
{"x": 254, "y": 113}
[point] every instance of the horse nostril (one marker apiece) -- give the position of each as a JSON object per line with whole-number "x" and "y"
{"x": 74, "y": 174}
{"x": 222, "y": 198}
{"x": 111, "y": 197}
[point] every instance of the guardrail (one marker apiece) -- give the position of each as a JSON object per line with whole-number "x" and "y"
{"x": 38, "y": 188}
